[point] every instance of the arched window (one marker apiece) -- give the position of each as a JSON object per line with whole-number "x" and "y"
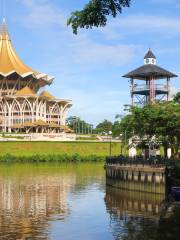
{"x": 27, "y": 111}
{"x": 16, "y": 112}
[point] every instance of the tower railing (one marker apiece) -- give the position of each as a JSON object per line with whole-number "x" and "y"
{"x": 144, "y": 87}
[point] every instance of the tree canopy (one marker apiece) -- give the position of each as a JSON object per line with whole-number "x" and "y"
{"x": 103, "y": 127}
{"x": 159, "y": 120}
{"x": 95, "y": 13}
{"x": 78, "y": 125}
{"x": 177, "y": 97}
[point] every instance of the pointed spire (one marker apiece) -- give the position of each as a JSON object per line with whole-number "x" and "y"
{"x": 149, "y": 54}
{"x": 4, "y": 32}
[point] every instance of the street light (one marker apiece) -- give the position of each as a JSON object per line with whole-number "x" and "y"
{"x": 110, "y": 147}
{"x": 125, "y": 140}
{"x": 109, "y": 133}
{"x": 120, "y": 144}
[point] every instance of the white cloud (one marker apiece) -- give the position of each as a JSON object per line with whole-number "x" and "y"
{"x": 80, "y": 49}
{"x": 42, "y": 13}
{"x": 141, "y": 24}
{"x": 82, "y": 63}
{"x": 96, "y": 106}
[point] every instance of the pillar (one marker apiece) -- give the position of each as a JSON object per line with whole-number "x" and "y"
{"x": 136, "y": 176}
{"x": 157, "y": 177}
{"x": 132, "y": 91}
{"x": 169, "y": 152}
{"x": 149, "y": 177}
{"x": 130, "y": 175}
{"x": 168, "y": 88}
{"x": 152, "y": 90}
{"x": 143, "y": 176}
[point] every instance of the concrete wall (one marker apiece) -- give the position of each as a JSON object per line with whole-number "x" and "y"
{"x": 137, "y": 178}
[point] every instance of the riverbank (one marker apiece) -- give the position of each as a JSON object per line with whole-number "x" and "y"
{"x": 56, "y": 151}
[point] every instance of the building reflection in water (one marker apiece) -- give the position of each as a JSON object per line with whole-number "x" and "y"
{"x": 133, "y": 214}
{"x": 28, "y": 203}
{"x": 129, "y": 203}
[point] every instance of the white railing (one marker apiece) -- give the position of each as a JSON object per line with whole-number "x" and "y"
{"x": 145, "y": 87}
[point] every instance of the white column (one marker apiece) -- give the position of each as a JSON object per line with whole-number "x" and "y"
{"x": 169, "y": 152}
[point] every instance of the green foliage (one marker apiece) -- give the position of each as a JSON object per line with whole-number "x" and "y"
{"x": 104, "y": 126}
{"x": 95, "y": 13}
{"x": 161, "y": 120}
{"x": 116, "y": 129}
{"x": 177, "y": 98}
{"x": 54, "y": 158}
{"x": 79, "y": 126}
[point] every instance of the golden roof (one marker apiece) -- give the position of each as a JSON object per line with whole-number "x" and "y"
{"x": 10, "y": 61}
{"x": 47, "y": 95}
{"x": 53, "y": 125}
{"x": 41, "y": 123}
{"x": 28, "y": 124}
{"x": 17, "y": 125}
{"x": 26, "y": 91}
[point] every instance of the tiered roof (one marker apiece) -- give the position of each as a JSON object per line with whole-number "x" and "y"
{"x": 47, "y": 95}
{"x": 10, "y": 63}
{"x": 150, "y": 70}
{"x": 41, "y": 123}
{"x": 25, "y": 92}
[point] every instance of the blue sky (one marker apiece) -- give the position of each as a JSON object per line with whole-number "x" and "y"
{"x": 88, "y": 67}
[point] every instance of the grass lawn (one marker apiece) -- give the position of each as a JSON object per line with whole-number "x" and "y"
{"x": 58, "y": 148}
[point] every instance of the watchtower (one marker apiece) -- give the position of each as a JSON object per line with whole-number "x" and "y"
{"x": 156, "y": 82}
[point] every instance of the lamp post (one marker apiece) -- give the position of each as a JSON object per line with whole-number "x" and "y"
{"x": 110, "y": 143}
{"x": 120, "y": 144}
{"x": 125, "y": 142}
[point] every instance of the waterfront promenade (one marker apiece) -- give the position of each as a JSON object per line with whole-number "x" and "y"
{"x": 136, "y": 175}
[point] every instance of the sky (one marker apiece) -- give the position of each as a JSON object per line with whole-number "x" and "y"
{"x": 88, "y": 67}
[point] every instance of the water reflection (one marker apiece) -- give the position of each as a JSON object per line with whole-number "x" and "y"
{"x": 31, "y": 196}
{"x": 135, "y": 215}
{"x": 128, "y": 203}
{"x": 26, "y": 203}
{"x": 71, "y": 202}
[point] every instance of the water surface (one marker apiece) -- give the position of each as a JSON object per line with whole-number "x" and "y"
{"x": 71, "y": 202}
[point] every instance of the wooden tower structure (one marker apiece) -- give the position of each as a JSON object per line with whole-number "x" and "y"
{"x": 156, "y": 82}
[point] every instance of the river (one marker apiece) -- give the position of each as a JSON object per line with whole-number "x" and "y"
{"x": 71, "y": 201}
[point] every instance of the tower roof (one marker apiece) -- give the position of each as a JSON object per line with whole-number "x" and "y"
{"x": 149, "y": 70}
{"x": 11, "y": 63}
{"x": 149, "y": 54}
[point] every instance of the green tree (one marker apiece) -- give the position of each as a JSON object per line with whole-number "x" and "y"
{"x": 79, "y": 126}
{"x": 177, "y": 98}
{"x": 159, "y": 120}
{"x": 116, "y": 130}
{"x": 95, "y": 13}
{"x": 103, "y": 127}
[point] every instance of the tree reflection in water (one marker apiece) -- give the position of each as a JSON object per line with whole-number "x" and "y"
{"x": 136, "y": 216}
{"x": 27, "y": 203}
{"x": 169, "y": 226}
{"x": 31, "y": 196}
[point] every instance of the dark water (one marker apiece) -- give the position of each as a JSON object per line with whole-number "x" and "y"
{"x": 71, "y": 202}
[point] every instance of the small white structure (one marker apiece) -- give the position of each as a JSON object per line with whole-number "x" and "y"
{"x": 132, "y": 149}
{"x": 169, "y": 152}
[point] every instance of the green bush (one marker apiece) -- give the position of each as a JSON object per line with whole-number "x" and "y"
{"x": 58, "y": 158}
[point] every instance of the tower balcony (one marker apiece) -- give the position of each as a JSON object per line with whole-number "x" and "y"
{"x": 145, "y": 89}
